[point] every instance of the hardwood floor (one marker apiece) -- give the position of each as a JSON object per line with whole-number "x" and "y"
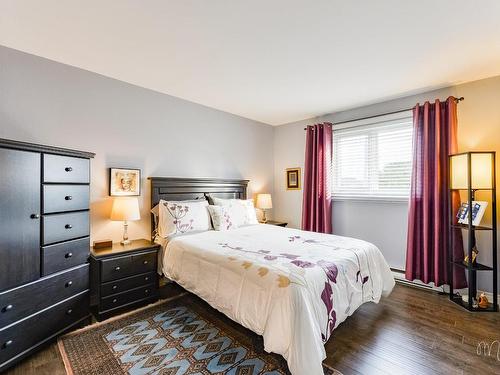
{"x": 412, "y": 332}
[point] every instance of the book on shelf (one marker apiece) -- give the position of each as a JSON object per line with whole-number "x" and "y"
{"x": 478, "y": 209}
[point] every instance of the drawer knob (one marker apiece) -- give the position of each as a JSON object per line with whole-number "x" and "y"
{"x": 35, "y": 216}
{"x": 68, "y": 169}
{"x": 68, "y": 197}
{"x": 146, "y": 278}
{"x": 146, "y": 291}
{"x": 117, "y": 268}
{"x": 69, "y": 283}
{"x": 68, "y": 226}
{"x": 69, "y": 311}
{"x": 145, "y": 262}
{"x": 115, "y": 300}
{"x": 6, "y": 344}
{"x": 7, "y": 308}
{"x": 114, "y": 287}
{"x": 68, "y": 255}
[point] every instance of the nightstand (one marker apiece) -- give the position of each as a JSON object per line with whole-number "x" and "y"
{"x": 277, "y": 223}
{"x": 123, "y": 277}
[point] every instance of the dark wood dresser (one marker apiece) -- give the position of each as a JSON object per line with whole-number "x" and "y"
{"x": 44, "y": 245}
{"x": 123, "y": 277}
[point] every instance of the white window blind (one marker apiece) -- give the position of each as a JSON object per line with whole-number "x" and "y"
{"x": 373, "y": 159}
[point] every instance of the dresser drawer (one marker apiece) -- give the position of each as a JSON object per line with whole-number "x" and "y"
{"x": 60, "y": 198}
{"x": 65, "y": 255}
{"x": 19, "y": 337}
{"x": 58, "y": 168}
{"x": 62, "y": 227}
{"x": 20, "y": 302}
{"x": 127, "y": 283}
{"x": 128, "y": 265}
{"x": 131, "y": 296}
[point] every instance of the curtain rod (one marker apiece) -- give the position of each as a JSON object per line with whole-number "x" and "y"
{"x": 383, "y": 114}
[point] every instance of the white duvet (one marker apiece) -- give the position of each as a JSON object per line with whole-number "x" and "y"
{"x": 290, "y": 286}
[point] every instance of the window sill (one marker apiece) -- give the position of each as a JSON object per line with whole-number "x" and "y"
{"x": 395, "y": 200}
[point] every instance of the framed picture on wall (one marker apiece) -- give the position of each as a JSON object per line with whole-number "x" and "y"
{"x": 124, "y": 182}
{"x": 293, "y": 178}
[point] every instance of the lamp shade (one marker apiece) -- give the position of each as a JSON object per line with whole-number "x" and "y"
{"x": 481, "y": 165}
{"x": 125, "y": 209}
{"x": 264, "y": 201}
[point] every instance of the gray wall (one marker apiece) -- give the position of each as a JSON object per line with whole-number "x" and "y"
{"x": 126, "y": 126}
{"x": 382, "y": 223}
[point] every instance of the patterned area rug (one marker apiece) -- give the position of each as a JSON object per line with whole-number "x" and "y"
{"x": 175, "y": 337}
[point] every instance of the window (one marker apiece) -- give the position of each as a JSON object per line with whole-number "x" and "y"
{"x": 372, "y": 159}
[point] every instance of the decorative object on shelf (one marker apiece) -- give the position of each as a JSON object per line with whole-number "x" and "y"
{"x": 483, "y": 301}
{"x": 264, "y": 202}
{"x": 293, "y": 178}
{"x": 125, "y": 209}
{"x": 124, "y": 182}
{"x": 100, "y": 244}
{"x": 471, "y": 172}
{"x": 479, "y": 207}
{"x": 475, "y": 252}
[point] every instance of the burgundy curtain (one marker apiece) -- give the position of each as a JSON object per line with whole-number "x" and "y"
{"x": 428, "y": 242}
{"x": 317, "y": 200}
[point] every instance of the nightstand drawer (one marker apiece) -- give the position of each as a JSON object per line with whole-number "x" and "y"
{"x": 131, "y": 296}
{"x": 124, "y": 266}
{"x": 58, "y": 168}
{"x": 27, "y": 333}
{"x": 65, "y": 255}
{"x": 126, "y": 284}
{"x": 61, "y": 198}
{"x": 20, "y": 302}
{"x": 62, "y": 227}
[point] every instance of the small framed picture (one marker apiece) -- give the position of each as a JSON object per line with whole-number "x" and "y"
{"x": 124, "y": 182}
{"x": 293, "y": 178}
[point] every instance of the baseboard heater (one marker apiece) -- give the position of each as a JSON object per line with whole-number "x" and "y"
{"x": 399, "y": 276}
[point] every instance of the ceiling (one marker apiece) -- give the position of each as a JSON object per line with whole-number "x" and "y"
{"x": 273, "y": 61}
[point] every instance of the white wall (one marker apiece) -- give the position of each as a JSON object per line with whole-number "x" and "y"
{"x": 385, "y": 224}
{"x": 126, "y": 126}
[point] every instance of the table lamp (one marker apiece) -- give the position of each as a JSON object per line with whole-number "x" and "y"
{"x": 125, "y": 209}
{"x": 264, "y": 202}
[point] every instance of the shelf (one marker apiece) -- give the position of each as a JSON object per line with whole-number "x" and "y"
{"x": 475, "y": 267}
{"x": 458, "y": 300}
{"x": 474, "y": 227}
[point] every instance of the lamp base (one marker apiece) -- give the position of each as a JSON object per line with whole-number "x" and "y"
{"x": 125, "y": 240}
{"x": 264, "y": 218}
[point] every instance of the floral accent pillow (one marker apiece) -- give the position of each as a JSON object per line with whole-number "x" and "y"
{"x": 222, "y": 218}
{"x": 183, "y": 216}
{"x": 243, "y": 210}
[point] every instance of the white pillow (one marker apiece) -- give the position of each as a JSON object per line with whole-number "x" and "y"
{"x": 242, "y": 210}
{"x": 183, "y": 216}
{"x": 222, "y": 217}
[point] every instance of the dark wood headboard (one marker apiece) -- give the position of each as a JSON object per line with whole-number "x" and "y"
{"x": 179, "y": 189}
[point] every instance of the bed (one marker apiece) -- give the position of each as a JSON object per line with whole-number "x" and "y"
{"x": 292, "y": 287}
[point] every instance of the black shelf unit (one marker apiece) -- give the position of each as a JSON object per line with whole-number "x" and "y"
{"x": 473, "y": 268}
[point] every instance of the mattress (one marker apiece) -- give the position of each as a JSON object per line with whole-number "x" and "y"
{"x": 292, "y": 287}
